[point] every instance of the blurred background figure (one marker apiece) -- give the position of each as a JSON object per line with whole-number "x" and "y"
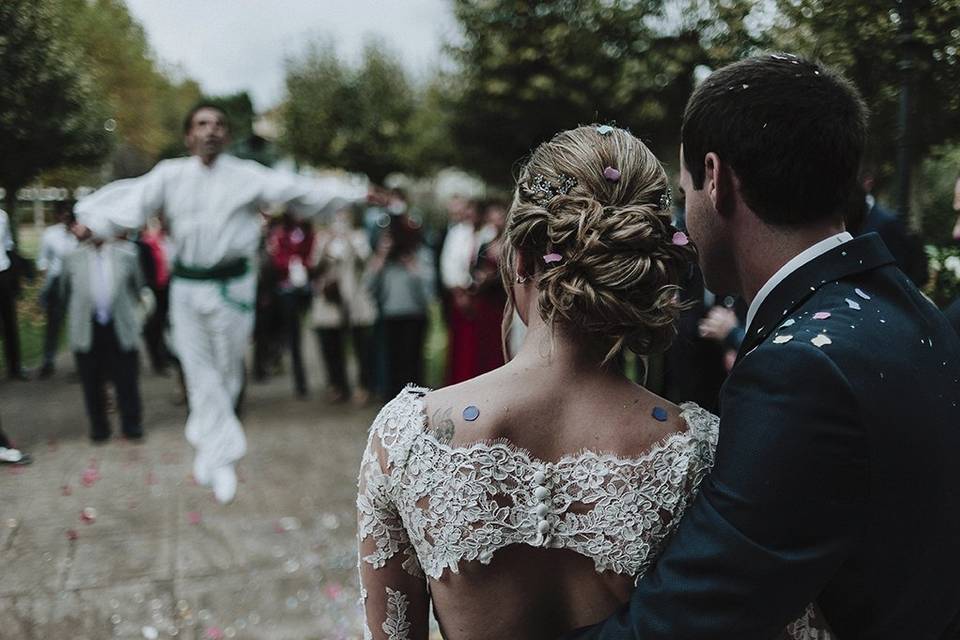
{"x": 487, "y": 293}
{"x": 289, "y": 246}
{"x": 342, "y": 306}
{"x": 953, "y": 310}
{"x": 400, "y": 278}
{"x": 903, "y": 244}
{"x": 101, "y": 285}
{"x": 268, "y": 318}
{"x": 9, "y": 290}
{"x": 460, "y": 250}
{"x": 56, "y": 243}
{"x": 157, "y": 252}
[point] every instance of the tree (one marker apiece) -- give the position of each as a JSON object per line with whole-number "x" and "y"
{"x": 356, "y": 118}
{"x": 530, "y": 69}
{"x": 50, "y": 115}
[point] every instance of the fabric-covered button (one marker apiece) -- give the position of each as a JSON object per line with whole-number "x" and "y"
{"x": 539, "y": 477}
{"x": 541, "y": 493}
{"x": 543, "y": 526}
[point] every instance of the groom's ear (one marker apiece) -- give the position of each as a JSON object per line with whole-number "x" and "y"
{"x": 721, "y": 184}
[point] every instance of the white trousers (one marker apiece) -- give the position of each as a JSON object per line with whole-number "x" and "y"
{"x": 211, "y": 324}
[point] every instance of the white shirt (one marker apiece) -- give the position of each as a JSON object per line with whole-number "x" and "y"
{"x": 6, "y": 240}
{"x": 460, "y": 252}
{"x": 802, "y": 258}
{"x": 212, "y": 212}
{"x": 56, "y": 243}
{"x": 101, "y": 282}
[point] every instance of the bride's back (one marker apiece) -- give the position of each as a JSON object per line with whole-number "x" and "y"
{"x": 549, "y": 415}
{"x": 531, "y": 497}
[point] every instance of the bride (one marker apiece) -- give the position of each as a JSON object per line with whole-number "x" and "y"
{"x": 525, "y": 503}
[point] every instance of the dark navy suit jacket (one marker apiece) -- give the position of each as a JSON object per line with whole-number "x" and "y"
{"x": 835, "y": 479}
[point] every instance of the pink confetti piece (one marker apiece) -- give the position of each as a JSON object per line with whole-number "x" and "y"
{"x": 550, "y": 258}
{"x": 193, "y": 517}
{"x": 278, "y": 528}
{"x": 611, "y": 174}
{"x": 333, "y": 591}
{"x": 680, "y": 239}
{"x": 821, "y": 315}
{"x": 16, "y": 470}
{"x": 72, "y": 534}
{"x": 213, "y": 633}
{"x": 88, "y": 515}
{"x": 90, "y": 476}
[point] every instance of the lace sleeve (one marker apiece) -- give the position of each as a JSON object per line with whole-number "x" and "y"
{"x": 392, "y": 587}
{"x": 809, "y": 626}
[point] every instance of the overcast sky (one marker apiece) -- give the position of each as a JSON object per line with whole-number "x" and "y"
{"x": 234, "y": 45}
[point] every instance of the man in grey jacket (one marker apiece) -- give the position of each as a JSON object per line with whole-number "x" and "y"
{"x": 101, "y": 283}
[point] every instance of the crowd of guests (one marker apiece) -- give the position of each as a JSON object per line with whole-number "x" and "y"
{"x": 364, "y": 283}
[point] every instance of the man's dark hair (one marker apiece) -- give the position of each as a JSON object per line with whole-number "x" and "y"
{"x": 792, "y": 130}
{"x": 188, "y": 120}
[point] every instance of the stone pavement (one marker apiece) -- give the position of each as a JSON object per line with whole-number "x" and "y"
{"x": 116, "y": 541}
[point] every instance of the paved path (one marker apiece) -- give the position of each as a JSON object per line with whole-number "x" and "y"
{"x": 157, "y": 557}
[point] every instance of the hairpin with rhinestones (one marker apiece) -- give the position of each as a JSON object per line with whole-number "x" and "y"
{"x": 666, "y": 199}
{"x": 547, "y": 190}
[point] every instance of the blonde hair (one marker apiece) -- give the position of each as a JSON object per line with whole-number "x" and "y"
{"x": 618, "y": 280}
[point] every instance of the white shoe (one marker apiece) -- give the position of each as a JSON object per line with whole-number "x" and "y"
{"x": 200, "y": 472}
{"x": 225, "y": 484}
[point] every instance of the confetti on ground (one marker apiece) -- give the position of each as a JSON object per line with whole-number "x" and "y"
{"x": 90, "y": 476}
{"x": 213, "y": 633}
{"x": 72, "y": 534}
{"x": 88, "y": 515}
{"x": 193, "y": 517}
{"x": 150, "y": 633}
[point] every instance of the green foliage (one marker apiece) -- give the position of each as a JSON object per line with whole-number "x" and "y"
{"x": 934, "y": 199}
{"x": 357, "y": 118}
{"x": 530, "y": 69}
{"x": 860, "y": 37}
{"x": 50, "y": 112}
{"x": 944, "y": 284}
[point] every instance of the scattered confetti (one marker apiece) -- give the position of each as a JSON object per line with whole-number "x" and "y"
{"x": 611, "y": 174}
{"x": 821, "y": 340}
{"x": 150, "y": 633}
{"x": 471, "y": 413}
{"x": 782, "y": 339}
{"x": 680, "y": 239}
{"x": 789, "y": 323}
{"x": 193, "y": 517}
{"x": 72, "y": 534}
{"x": 821, "y": 315}
{"x": 333, "y": 591}
{"x": 604, "y": 129}
{"x": 88, "y": 515}
{"x": 90, "y": 476}
{"x": 853, "y": 304}
{"x": 861, "y": 293}
{"x": 659, "y": 414}
{"x": 213, "y": 633}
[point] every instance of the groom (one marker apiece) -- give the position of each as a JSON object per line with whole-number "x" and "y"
{"x": 834, "y": 480}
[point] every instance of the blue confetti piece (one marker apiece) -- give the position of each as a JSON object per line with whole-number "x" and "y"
{"x": 659, "y": 414}
{"x": 604, "y": 129}
{"x": 471, "y": 413}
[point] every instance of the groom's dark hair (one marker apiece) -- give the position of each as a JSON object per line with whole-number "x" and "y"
{"x": 792, "y": 130}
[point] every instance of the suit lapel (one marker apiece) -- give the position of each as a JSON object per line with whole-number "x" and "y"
{"x": 861, "y": 254}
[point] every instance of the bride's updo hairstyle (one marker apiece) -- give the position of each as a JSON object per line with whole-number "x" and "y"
{"x": 595, "y": 202}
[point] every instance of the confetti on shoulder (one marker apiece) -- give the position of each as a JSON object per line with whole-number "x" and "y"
{"x": 821, "y": 340}
{"x": 471, "y": 413}
{"x": 821, "y": 315}
{"x": 861, "y": 293}
{"x": 789, "y": 323}
{"x": 853, "y": 304}
{"x": 604, "y": 129}
{"x": 782, "y": 339}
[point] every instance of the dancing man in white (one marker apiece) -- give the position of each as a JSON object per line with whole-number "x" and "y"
{"x": 211, "y": 201}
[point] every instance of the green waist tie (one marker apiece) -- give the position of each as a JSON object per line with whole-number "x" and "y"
{"x": 222, "y": 273}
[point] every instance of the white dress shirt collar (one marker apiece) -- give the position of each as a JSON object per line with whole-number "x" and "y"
{"x": 802, "y": 258}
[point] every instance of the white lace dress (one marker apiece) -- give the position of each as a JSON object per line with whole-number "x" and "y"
{"x": 425, "y": 507}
